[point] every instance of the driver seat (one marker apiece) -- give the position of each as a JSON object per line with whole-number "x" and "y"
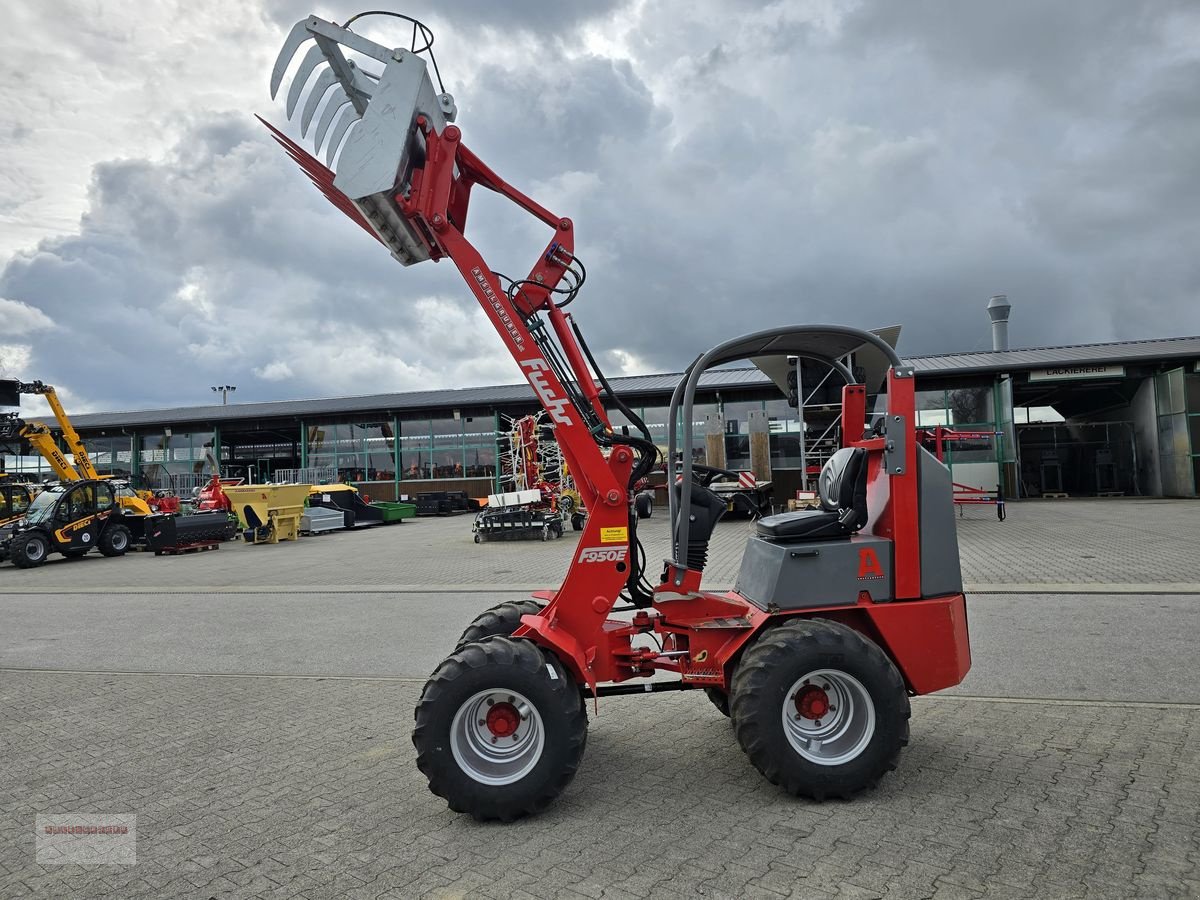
{"x": 843, "y": 490}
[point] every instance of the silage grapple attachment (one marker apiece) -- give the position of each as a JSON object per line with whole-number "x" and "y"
{"x": 370, "y": 114}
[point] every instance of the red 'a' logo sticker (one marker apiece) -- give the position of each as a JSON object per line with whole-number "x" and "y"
{"x": 868, "y": 564}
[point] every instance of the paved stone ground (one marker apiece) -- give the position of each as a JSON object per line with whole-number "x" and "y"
{"x": 283, "y": 786}
{"x": 1065, "y": 646}
{"x": 1098, "y": 542}
{"x": 248, "y": 787}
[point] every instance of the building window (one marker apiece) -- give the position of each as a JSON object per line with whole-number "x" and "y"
{"x": 1178, "y": 431}
{"x": 448, "y": 448}
{"x": 173, "y": 460}
{"x": 355, "y": 452}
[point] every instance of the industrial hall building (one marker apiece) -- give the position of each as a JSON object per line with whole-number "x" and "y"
{"x": 1110, "y": 419}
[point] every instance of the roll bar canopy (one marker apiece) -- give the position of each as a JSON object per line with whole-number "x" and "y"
{"x": 821, "y": 343}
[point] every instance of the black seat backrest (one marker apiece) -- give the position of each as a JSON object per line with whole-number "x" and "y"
{"x": 843, "y": 487}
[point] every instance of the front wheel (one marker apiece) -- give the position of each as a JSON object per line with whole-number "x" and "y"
{"x": 820, "y": 710}
{"x": 29, "y": 550}
{"x": 644, "y": 505}
{"x": 500, "y": 729}
{"x": 502, "y": 619}
{"x": 114, "y": 541}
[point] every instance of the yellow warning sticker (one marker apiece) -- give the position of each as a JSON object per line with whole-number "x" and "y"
{"x": 614, "y": 535}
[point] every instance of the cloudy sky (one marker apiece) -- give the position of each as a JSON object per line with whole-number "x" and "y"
{"x": 729, "y": 166}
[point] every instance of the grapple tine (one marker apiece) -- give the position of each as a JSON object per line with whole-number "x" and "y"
{"x": 338, "y": 101}
{"x": 320, "y": 176}
{"x": 297, "y": 36}
{"x": 313, "y": 58}
{"x": 324, "y": 83}
{"x": 378, "y": 159}
{"x": 335, "y": 139}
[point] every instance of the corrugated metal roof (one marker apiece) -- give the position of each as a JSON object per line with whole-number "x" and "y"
{"x": 1023, "y": 359}
{"x": 1018, "y": 360}
{"x": 449, "y": 398}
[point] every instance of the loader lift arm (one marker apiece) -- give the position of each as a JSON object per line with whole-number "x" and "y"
{"x": 41, "y": 439}
{"x": 423, "y": 177}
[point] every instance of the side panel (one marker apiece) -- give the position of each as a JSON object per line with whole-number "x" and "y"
{"x": 940, "y": 570}
{"x": 789, "y": 576}
{"x": 927, "y": 639}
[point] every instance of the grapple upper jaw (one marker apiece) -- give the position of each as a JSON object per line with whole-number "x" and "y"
{"x": 374, "y": 114}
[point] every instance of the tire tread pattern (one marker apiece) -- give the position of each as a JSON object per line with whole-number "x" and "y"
{"x": 434, "y": 759}
{"x": 754, "y": 713}
{"x": 502, "y": 619}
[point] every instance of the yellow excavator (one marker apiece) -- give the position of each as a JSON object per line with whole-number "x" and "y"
{"x": 42, "y": 440}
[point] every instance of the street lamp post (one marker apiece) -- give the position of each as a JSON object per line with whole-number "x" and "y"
{"x": 224, "y": 390}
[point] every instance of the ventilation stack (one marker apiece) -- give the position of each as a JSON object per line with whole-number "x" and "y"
{"x": 998, "y": 309}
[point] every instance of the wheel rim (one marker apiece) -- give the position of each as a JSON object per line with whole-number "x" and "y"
{"x": 35, "y": 550}
{"x": 118, "y": 540}
{"x": 828, "y": 717}
{"x": 497, "y": 737}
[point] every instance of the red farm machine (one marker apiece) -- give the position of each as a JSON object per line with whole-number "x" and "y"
{"x": 839, "y": 614}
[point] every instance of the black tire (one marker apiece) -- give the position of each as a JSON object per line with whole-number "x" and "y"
{"x": 75, "y": 554}
{"x": 114, "y": 540}
{"x": 499, "y": 665}
{"x": 501, "y": 620}
{"x": 776, "y": 664}
{"x": 719, "y": 699}
{"x": 577, "y": 522}
{"x": 29, "y": 550}
{"x": 643, "y": 504}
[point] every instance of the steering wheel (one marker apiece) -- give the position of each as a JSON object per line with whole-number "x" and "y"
{"x": 706, "y": 475}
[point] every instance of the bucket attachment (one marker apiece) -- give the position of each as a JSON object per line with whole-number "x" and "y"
{"x": 370, "y": 116}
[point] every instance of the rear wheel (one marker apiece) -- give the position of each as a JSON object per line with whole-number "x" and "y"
{"x": 500, "y": 729}
{"x": 29, "y": 550}
{"x": 643, "y": 504}
{"x": 114, "y": 541}
{"x": 502, "y": 619}
{"x": 820, "y": 710}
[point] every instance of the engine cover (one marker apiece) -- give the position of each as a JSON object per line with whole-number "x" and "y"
{"x": 782, "y": 576}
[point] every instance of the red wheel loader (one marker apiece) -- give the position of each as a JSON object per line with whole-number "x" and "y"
{"x": 839, "y": 614}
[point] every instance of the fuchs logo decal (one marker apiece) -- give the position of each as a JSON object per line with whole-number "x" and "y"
{"x": 501, "y": 312}
{"x": 536, "y": 370}
{"x": 603, "y": 554}
{"x": 868, "y": 565}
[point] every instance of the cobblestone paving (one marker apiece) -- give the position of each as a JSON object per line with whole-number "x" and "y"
{"x": 248, "y": 787}
{"x": 1112, "y": 542}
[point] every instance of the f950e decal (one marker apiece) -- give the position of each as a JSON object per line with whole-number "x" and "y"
{"x": 603, "y": 554}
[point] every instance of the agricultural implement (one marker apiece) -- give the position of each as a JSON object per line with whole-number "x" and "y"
{"x": 839, "y": 615}
{"x": 939, "y": 439}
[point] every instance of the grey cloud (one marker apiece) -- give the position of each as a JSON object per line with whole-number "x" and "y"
{"x": 728, "y": 173}
{"x": 537, "y": 16}
{"x": 1058, "y": 50}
